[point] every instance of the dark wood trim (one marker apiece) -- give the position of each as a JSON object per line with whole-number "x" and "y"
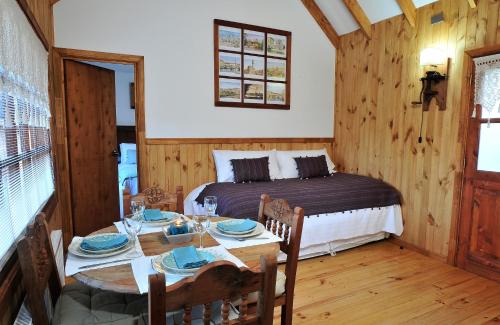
{"x": 252, "y": 27}
{"x": 34, "y": 23}
{"x": 483, "y": 51}
{"x": 174, "y": 141}
{"x": 242, "y": 78}
{"x": 62, "y": 54}
{"x": 322, "y": 22}
{"x": 11, "y": 290}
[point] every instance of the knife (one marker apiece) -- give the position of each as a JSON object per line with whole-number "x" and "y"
{"x": 104, "y": 263}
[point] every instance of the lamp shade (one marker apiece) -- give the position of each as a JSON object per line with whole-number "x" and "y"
{"x": 432, "y": 56}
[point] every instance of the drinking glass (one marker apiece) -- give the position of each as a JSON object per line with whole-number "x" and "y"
{"x": 210, "y": 205}
{"x": 133, "y": 227}
{"x": 137, "y": 207}
{"x": 201, "y": 224}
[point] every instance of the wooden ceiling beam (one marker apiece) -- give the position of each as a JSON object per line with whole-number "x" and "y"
{"x": 322, "y": 21}
{"x": 360, "y": 17}
{"x": 409, "y": 10}
{"x": 472, "y": 3}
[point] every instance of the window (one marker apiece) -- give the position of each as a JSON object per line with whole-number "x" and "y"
{"x": 487, "y": 100}
{"x": 252, "y": 66}
{"x": 26, "y": 172}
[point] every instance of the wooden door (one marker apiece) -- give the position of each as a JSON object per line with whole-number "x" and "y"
{"x": 91, "y": 123}
{"x": 479, "y": 236}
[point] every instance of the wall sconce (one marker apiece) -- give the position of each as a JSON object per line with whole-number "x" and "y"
{"x": 435, "y": 83}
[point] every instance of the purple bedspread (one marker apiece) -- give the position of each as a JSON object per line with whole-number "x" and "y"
{"x": 336, "y": 193}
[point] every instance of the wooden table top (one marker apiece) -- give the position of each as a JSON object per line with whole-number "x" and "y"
{"x": 121, "y": 279}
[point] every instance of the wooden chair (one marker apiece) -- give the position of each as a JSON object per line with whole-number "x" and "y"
{"x": 49, "y": 302}
{"x": 277, "y": 216}
{"x": 214, "y": 282}
{"x": 157, "y": 198}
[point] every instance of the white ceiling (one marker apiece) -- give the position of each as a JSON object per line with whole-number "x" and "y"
{"x": 376, "y": 10}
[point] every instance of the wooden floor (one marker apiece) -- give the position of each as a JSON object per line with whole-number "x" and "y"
{"x": 382, "y": 284}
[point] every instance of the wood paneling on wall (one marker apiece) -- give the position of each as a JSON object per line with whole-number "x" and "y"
{"x": 377, "y": 128}
{"x": 189, "y": 163}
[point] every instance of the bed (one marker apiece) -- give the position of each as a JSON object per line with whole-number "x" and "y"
{"x": 127, "y": 171}
{"x": 342, "y": 211}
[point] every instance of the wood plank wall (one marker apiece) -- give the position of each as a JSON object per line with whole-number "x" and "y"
{"x": 377, "y": 129}
{"x": 169, "y": 163}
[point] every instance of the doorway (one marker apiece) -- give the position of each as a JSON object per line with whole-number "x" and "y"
{"x": 103, "y": 105}
{"x": 479, "y": 225}
{"x": 125, "y": 148}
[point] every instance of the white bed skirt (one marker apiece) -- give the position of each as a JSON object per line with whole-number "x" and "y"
{"x": 333, "y": 232}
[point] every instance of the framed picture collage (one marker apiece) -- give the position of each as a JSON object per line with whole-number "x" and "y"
{"x": 252, "y": 66}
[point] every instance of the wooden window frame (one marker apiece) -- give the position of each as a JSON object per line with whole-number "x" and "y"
{"x": 242, "y": 53}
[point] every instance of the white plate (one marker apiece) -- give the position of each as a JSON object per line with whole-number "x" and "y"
{"x": 160, "y": 223}
{"x": 236, "y": 232}
{"x": 258, "y": 230}
{"x": 102, "y": 251}
{"x": 74, "y": 248}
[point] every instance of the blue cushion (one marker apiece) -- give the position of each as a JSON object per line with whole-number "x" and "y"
{"x": 237, "y": 225}
{"x": 187, "y": 257}
{"x": 103, "y": 242}
{"x": 154, "y": 215}
{"x": 131, "y": 157}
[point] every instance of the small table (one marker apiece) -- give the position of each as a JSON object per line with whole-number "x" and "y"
{"x": 121, "y": 279}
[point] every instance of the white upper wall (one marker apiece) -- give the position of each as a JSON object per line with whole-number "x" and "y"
{"x": 176, "y": 39}
{"x": 376, "y": 10}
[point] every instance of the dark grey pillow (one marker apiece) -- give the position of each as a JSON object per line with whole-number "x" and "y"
{"x": 251, "y": 170}
{"x": 309, "y": 167}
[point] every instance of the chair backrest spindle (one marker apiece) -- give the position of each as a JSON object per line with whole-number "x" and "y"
{"x": 216, "y": 281}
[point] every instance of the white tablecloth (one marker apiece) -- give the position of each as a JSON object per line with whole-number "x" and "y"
{"x": 142, "y": 268}
{"x": 73, "y": 263}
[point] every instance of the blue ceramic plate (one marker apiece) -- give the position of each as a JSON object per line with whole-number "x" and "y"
{"x": 103, "y": 243}
{"x": 168, "y": 261}
{"x": 234, "y": 222}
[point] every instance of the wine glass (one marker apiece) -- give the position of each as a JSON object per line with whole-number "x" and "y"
{"x": 210, "y": 205}
{"x": 137, "y": 207}
{"x": 132, "y": 227}
{"x": 201, "y": 224}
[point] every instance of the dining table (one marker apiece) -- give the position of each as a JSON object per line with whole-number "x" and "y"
{"x": 120, "y": 278}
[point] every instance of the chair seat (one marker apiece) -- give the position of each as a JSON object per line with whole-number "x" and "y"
{"x": 81, "y": 304}
{"x": 280, "y": 289}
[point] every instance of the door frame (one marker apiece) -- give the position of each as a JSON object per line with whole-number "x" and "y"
{"x": 61, "y": 145}
{"x": 466, "y": 109}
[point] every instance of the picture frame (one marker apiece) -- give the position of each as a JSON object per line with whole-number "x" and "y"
{"x": 252, "y": 66}
{"x": 132, "y": 95}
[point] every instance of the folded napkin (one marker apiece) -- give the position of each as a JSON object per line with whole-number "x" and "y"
{"x": 103, "y": 242}
{"x": 237, "y": 225}
{"x": 187, "y": 257}
{"x": 154, "y": 215}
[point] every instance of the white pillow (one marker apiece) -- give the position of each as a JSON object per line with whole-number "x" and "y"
{"x": 224, "y": 168}
{"x": 124, "y": 150}
{"x": 288, "y": 166}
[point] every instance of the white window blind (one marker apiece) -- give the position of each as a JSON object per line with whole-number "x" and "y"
{"x": 26, "y": 173}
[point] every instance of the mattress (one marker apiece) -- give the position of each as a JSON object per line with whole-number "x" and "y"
{"x": 329, "y": 233}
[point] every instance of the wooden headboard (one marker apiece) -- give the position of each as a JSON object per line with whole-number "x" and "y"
{"x": 125, "y": 134}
